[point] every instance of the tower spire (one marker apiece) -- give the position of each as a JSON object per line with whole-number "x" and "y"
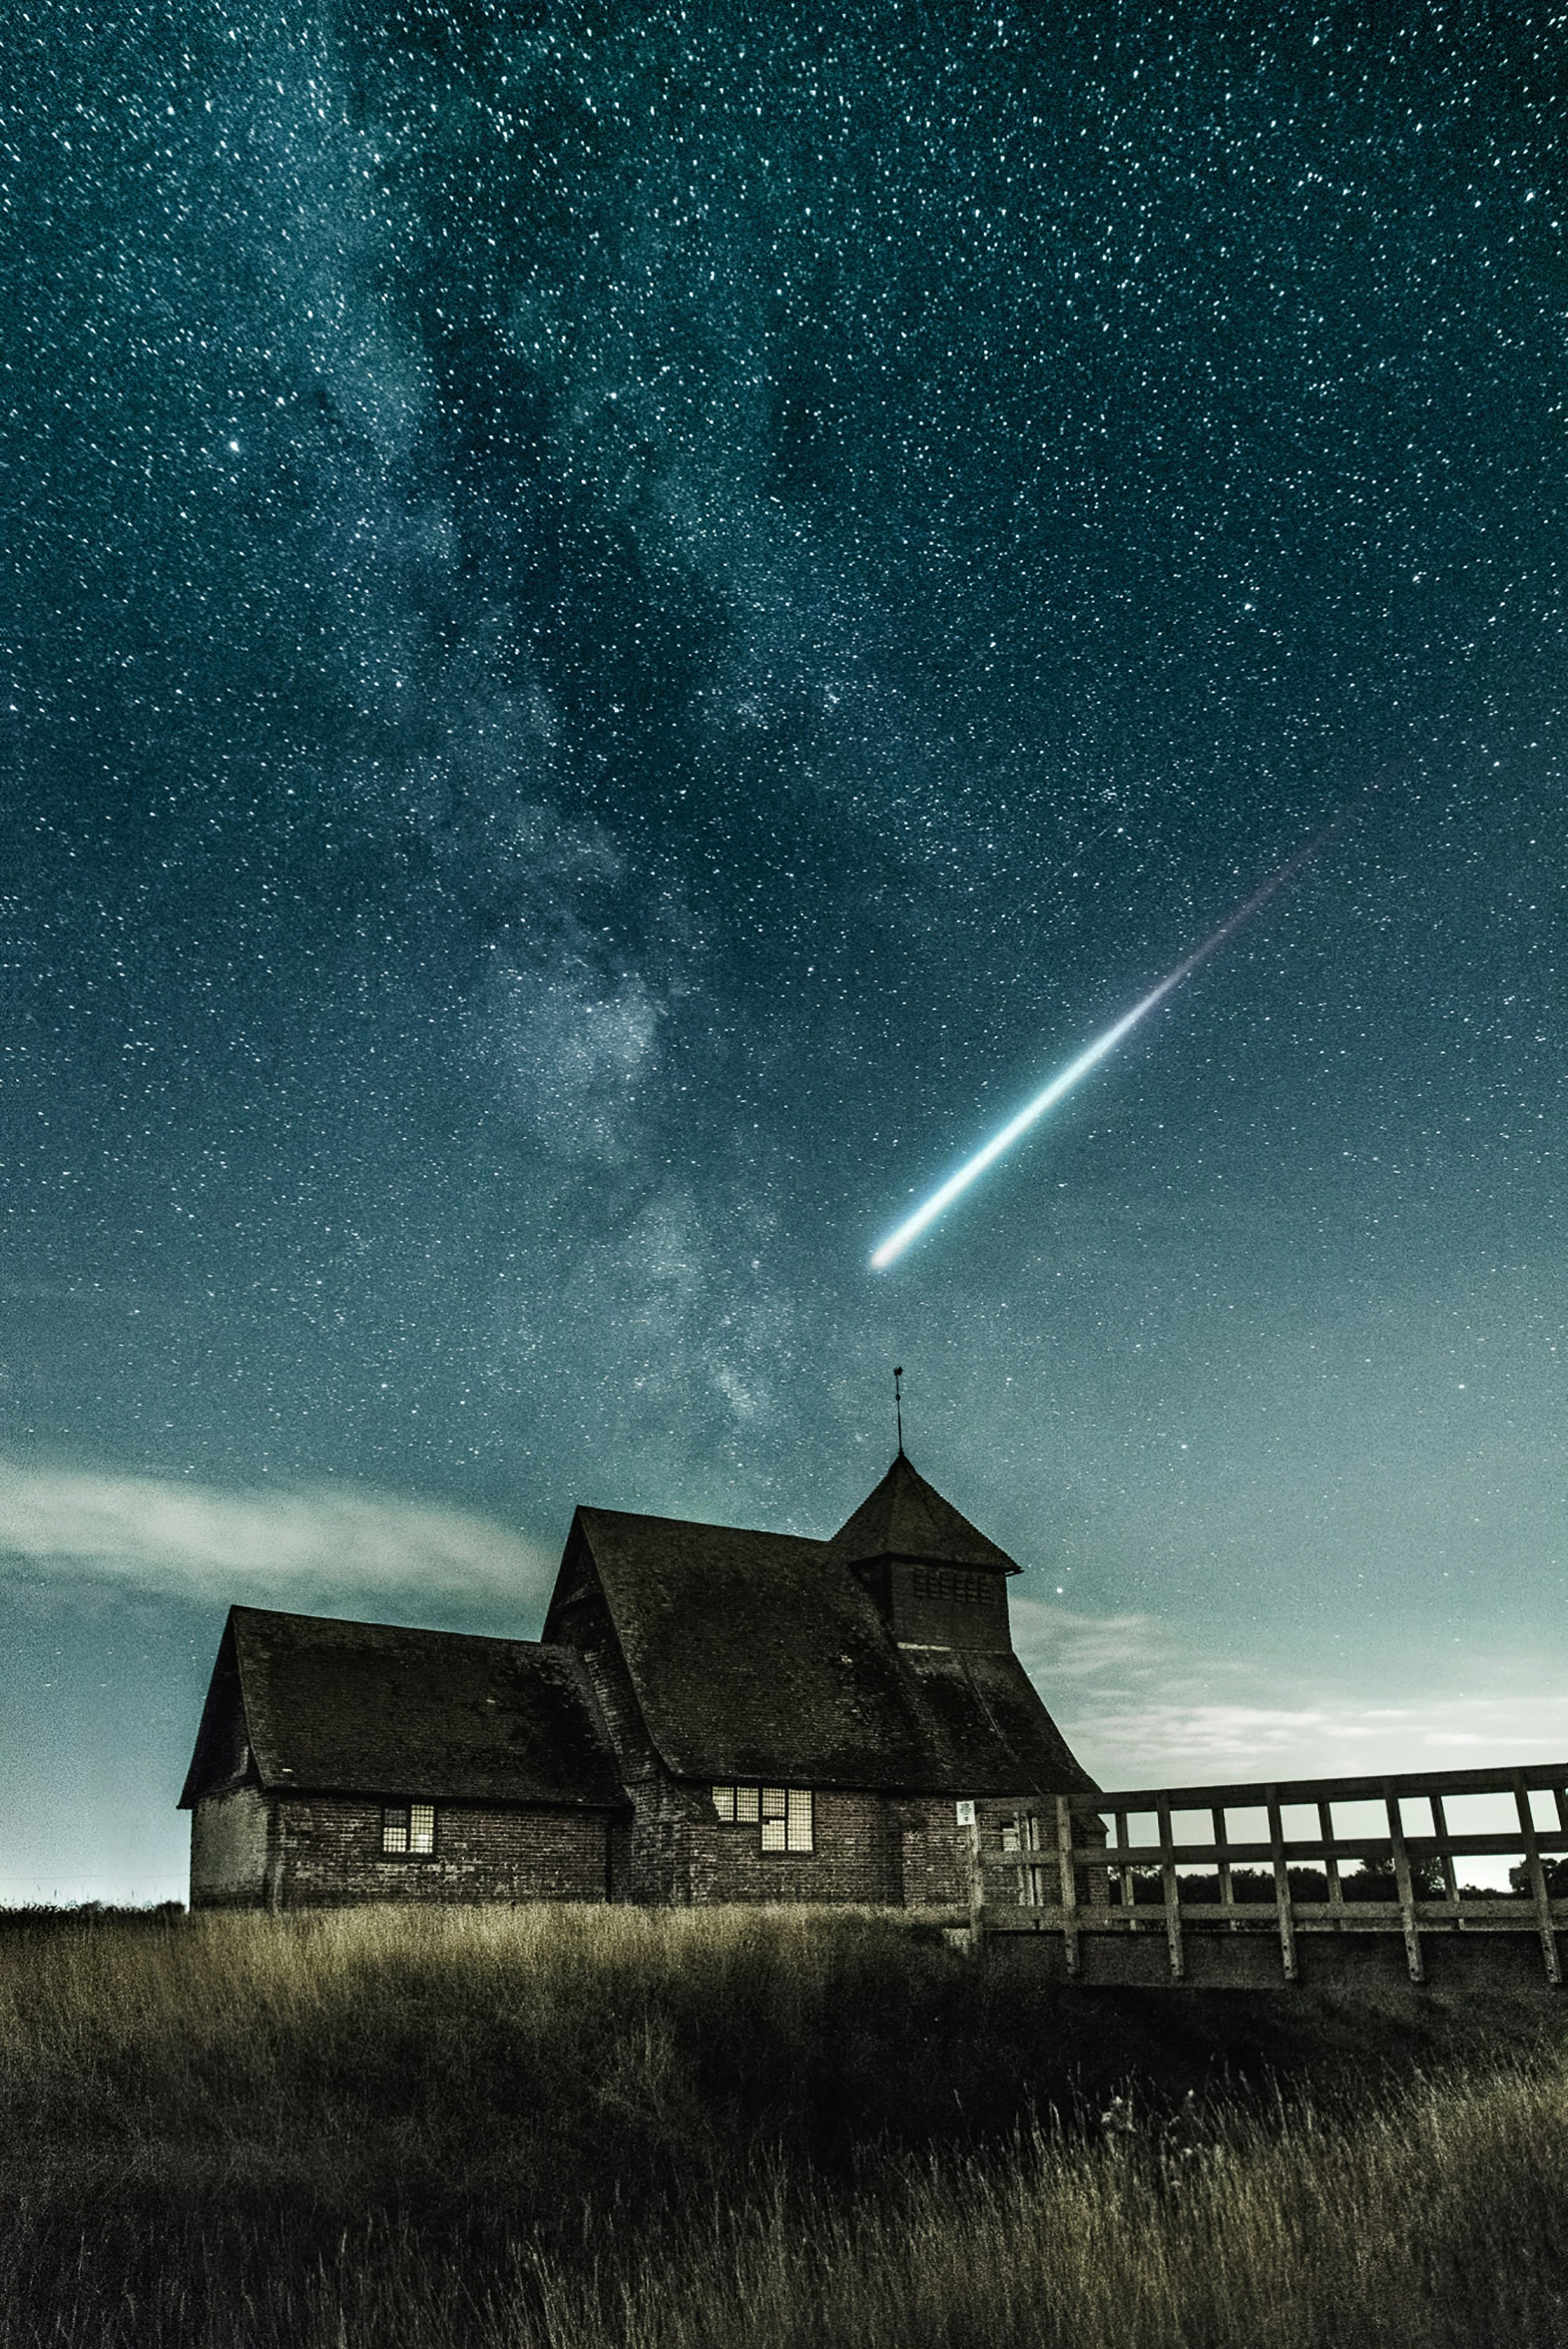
{"x": 898, "y": 1403}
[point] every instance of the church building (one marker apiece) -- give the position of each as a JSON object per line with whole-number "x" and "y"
{"x": 712, "y": 1714}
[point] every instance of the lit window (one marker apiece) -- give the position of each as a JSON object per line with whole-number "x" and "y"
{"x": 782, "y": 1812}
{"x": 409, "y": 1829}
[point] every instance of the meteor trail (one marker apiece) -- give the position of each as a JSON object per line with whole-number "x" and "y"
{"x": 945, "y": 1192}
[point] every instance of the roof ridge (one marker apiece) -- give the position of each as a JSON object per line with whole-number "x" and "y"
{"x": 699, "y": 1525}
{"x": 404, "y": 1631}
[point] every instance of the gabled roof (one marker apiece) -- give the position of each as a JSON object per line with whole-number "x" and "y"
{"x": 373, "y": 1709}
{"x": 907, "y": 1517}
{"x": 765, "y": 1656}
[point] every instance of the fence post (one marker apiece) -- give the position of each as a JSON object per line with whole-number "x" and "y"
{"x": 1402, "y": 1884}
{"x": 1281, "y": 1885}
{"x": 1026, "y": 1835}
{"x": 1537, "y": 1877}
{"x": 1065, "y": 1869}
{"x": 976, "y": 1877}
{"x": 1124, "y": 1875}
{"x": 1227, "y": 1889}
{"x": 1172, "y": 1891}
{"x": 1331, "y": 1866}
{"x": 1445, "y": 1856}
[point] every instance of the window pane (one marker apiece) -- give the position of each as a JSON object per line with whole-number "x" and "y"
{"x": 395, "y": 1827}
{"x": 422, "y": 1826}
{"x": 775, "y": 1803}
{"x": 724, "y": 1801}
{"x": 774, "y": 1838}
{"x": 746, "y": 1803}
{"x": 798, "y": 1838}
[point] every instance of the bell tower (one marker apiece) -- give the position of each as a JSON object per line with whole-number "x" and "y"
{"x": 938, "y": 1580}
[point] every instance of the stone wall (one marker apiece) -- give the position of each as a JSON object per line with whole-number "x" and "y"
{"x": 329, "y": 1855}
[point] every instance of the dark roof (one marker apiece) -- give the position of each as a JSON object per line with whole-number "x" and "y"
{"x": 986, "y": 1703}
{"x": 373, "y": 1708}
{"x": 907, "y": 1517}
{"x": 765, "y": 1656}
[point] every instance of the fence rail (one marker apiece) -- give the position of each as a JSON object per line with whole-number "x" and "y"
{"x": 1072, "y": 1868}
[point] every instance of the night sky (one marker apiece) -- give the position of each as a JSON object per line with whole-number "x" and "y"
{"x": 623, "y": 627}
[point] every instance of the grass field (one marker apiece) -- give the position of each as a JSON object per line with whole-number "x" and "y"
{"x": 624, "y": 2129}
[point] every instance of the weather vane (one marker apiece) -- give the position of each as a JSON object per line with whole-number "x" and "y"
{"x": 898, "y": 1403}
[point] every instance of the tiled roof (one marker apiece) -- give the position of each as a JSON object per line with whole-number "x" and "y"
{"x": 373, "y": 1709}
{"x": 765, "y": 1656}
{"x": 907, "y": 1517}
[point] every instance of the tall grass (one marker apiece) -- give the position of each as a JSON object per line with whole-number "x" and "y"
{"x": 1438, "y": 2222}
{"x": 568, "y": 2129}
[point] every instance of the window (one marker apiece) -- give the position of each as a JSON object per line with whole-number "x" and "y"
{"x": 783, "y": 1813}
{"x": 408, "y": 1831}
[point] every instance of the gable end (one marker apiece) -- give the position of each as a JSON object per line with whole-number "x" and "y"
{"x": 223, "y": 1758}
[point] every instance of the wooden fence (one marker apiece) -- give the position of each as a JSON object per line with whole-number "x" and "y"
{"x": 1069, "y": 1867}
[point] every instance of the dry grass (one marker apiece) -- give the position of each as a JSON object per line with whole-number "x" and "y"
{"x": 1436, "y": 2225}
{"x": 569, "y": 2130}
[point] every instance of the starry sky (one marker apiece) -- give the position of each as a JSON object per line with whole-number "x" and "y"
{"x": 622, "y": 627}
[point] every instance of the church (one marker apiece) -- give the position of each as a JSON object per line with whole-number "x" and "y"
{"x": 712, "y": 1714}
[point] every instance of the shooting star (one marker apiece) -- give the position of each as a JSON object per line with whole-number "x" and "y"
{"x": 1091, "y": 1056}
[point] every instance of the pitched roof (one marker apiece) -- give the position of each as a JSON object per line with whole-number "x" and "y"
{"x": 986, "y": 1703}
{"x": 765, "y": 1656}
{"x": 907, "y": 1517}
{"x": 373, "y": 1709}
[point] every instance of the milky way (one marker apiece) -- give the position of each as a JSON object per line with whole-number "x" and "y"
{"x": 606, "y": 603}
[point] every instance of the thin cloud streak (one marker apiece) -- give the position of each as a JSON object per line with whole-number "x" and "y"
{"x": 287, "y": 1547}
{"x": 1187, "y": 1739}
{"x": 1141, "y": 1705}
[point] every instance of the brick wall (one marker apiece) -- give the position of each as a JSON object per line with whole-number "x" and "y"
{"x": 229, "y": 1850}
{"x": 853, "y": 1859}
{"x": 325, "y": 1851}
{"x": 934, "y": 1855}
{"x": 330, "y": 1854}
{"x": 882, "y": 1850}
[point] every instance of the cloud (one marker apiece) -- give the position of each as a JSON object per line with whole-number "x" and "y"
{"x": 289, "y": 1548}
{"x": 1178, "y": 1737}
{"x": 1056, "y": 1643}
{"x": 1142, "y": 1704}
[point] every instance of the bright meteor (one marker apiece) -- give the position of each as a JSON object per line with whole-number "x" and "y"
{"x": 1091, "y": 1057}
